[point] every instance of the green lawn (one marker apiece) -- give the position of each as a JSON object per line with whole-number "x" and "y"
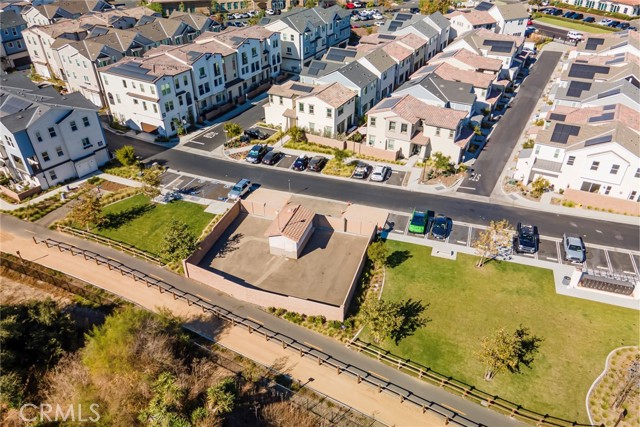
{"x": 574, "y": 25}
{"x": 467, "y": 303}
{"x": 143, "y": 224}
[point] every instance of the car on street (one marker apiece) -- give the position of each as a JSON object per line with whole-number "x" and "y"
{"x": 350, "y": 6}
{"x": 418, "y": 223}
{"x": 378, "y": 23}
{"x": 362, "y": 171}
{"x": 301, "y": 163}
{"x": 575, "y": 35}
{"x": 241, "y": 188}
{"x": 256, "y": 153}
{"x": 272, "y": 157}
{"x": 624, "y": 25}
{"x": 589, "y": 19}
{"x": 574, "y": 249}
{"x": 317, "y": 163}
{"x": 256, "y": 134}
{"x": 380, "y": 173}
{"x": 270, "y": 12}
{"x": 527, "y": 238}
{"x": 441, "y": 228}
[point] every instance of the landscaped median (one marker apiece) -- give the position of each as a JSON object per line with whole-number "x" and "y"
{"x": 573, "y": 24}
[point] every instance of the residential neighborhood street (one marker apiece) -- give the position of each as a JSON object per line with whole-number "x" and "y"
{"x": 495, "y": 155}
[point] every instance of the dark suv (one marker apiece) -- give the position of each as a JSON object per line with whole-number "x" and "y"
{"x": 256, "y": 134}
{"x": 526, "y": 239}
{"x": 256, "y": 154}
{"x": 317, "y": 163}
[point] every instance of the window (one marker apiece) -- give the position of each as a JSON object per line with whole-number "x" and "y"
{"x": 155, "y": 108}
{"x": 201, "y": 72}
{"x": 135, "y": 101}
{"x": 118, "y": 98}
{"x": 73, "y": 125}
{"x": 124, "y": 83}
{"x": 390, "y": 144}
{"x": 291, "y": 37}
{"x": 571, "y": 160}
{"x": 52, "y": 175}
{"x": 288, "y": 50}
{"x": 133, "y": 85}
{"x": 301, "y": 107}
{"x": 59, "y": 151}
{"x": 556, "y": 153}
{"x": 176, "y": 83}
{"x": 637, "y": 175}
{"x": 144, "y": 105}
{"x": 85, "y": 121}
{"x": 86, "y": 143}
{"x": 537, "y": 150}
{"x": 165, "y": 88}
{"x": 594, "y": 166}
{"x": 632, "y": 195}
{"x": 403, "y": 128}
{"x": 104, "y": 79}
{"x": 590, "y": 187}
{"x": 10, "y": 44}
{"x": 280, "y": 100}
{"x": 254, "y": 52}
{"x": 329, "y": 113}
{"x": 451, "y": 133}
{"x": 45, "y": 156}
{"x": 39, "y": 138}
{"x": 392, "y": 126}
{"x": 153, "y": 89}
{"x": 311, "y": 109}
{"x": 607, "y": 190}
{"x": 168, "y": 106}
{"x": 437, "y": 131}
{"x": 372, "y": 139}
{"x": 614, "y": 169}
{"x": 340, "y": 111}
{"x": 52, "y": 132}
{"x": 245, "y": 59}
{"x": 86, "y": 78}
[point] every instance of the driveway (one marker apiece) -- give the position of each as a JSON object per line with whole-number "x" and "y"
{"x": 502, "y": 141}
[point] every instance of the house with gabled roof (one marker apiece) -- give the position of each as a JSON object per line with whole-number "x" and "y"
{"x": 464, "y": 21}
{"x": 434, "y": 90}
{"x": 383, "y": 66}
{"x": 608, "y": 44}
{"x": 359, "y": 79}
{"x": 435, "y": 29}
{"x": 587, "y": 94}
{"x": 46, "y": 14}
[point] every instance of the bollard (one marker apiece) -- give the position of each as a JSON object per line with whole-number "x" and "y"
{"x": 446, "y": 421}
{"x": 250, "y": 329}
{"x": 301, "y": 352}
{"x": 319, "y": 361}
{"x": 338, "y": 370}
{"x": 401, "y": 398}
{"x": 284, "y": 345}
{"x": 359, "y": 379}
{"x": 379, "y": 388}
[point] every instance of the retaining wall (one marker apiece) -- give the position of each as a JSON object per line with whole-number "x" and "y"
{"x": 602, "y": 202}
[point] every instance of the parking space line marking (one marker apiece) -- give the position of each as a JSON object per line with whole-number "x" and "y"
{"x": 467, "y": 188}
{"x": 551, "y": 259}
{"x": 462, "y": 242}
{"x": 633, "y": 263}
{"x": 628, "y": 272}
{"x": 601, "y": 267}
{"x": 559, "y": 259}
{"x": 197, "y": 142}
{"x": 469, "y": 236}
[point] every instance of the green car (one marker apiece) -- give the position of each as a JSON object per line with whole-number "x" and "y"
{"x": 418, "y": 224}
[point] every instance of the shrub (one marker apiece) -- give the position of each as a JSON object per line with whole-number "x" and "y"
{"x": 297, "y": 134}
{"x": 539, "y": 122}
{"x": 539, "y": 186}
{"x": 126, "y": 155}
{"x": 529, "y": 143}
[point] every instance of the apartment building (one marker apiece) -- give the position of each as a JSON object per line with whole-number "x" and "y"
{"x": 13, "y": 49}
{"x": 435, "y": 29}
{"x": 627, "y": 7}
{"x": 46, "y": 137}
{"x": 464, "y": 21}
{"x": 611, "y": 44}
{"x": 407, "y": 126}
{"x": 46, "y": 14}
{"x": 306, "y": 34}
{"x": 436, "y": 91}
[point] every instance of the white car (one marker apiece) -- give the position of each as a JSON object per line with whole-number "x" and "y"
{"x": 380, "y": 173}
{"x": 575, "y": 35}
{"x": 270, "y": 12}
{"x": 237, "y": 16}
{"x": 377, "y": 16}
{"x": 357, "y": 4}
{"x": 252, "y": 13}
{"x": 378, "y": 23}
{"x": 605, "y": 21}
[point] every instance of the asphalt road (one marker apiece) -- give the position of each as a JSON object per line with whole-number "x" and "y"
{"x": 496, "y": 152}
{"x": 598, "y": 232}
{"x": 336, "y": 349}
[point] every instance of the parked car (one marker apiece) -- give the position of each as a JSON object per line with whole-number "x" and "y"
{"x": 241, "y": 188}
{"x": 557, "y": 12}
{"x": 577, "y": 16}
{"x": 270, "y": 12}
{"x": 362, "y": 171}
{"x": 526, "y": 239}
{"x": 355, "y": 17}
{"x": 358, "y": 4}
{"x": 575, "y": 35}
{"x": 568, "y": 13}
{"x": 613, "y": 24}
{"x": 256, "y": 134}
{"x": 272, "y": 157}
{"x": 350, "y": 6}
{"x": 317, "y": 163}
{"x": 236, "y": 16}
{"x": 624, "y": 25}
{"x": 418, "y": 223}
{"x": 301, "y": 163}
{"x": 256, "y": 154}
{"x": 632, "y": 28}
{"x": 380, "y": 173}
{"x": 377, "y": 16}
{"x": 605, "y": 21}
{"x": 441, "y": 228}
{"x": 378, "y": 23}
{"x": 574, "y": 250}
{"x": 530, "y": 22}
{"x": 589, "y": 19}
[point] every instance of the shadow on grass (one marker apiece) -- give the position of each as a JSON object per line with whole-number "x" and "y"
{"x": 398, "y": 257}
{"x": 118, "y": 219}
{"x": 411, "y": 313}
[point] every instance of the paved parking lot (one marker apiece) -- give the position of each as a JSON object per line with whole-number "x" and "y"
{"x": 209, "y": 140}
{"x": 597, "y": 259}
{"x": 397, "y": 223}
{"x": 286, "y": 161}
{"x": 548, "y": 250}
{"x": 459, "y": 235}
{"x": 396, "y": 178}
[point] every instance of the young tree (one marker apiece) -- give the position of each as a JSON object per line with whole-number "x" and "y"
{"x": 378, "y": 253}
{"x": 310, "y": 4}
{"x": 538, "y": 186}
{"x": 297, "y": 134}
{"x": 221, "y": 397}
{"x": 504, "y": 351}
{"x": 178, "y": 242}
{"x": 427, "y": 7}
{"x": 126, "y": 155}
{"x": 232, "y": 129}
{"x": 382, "y": 317}
{"x": 151, "y": 179}
{"x": 498, "y": 235}
{"x": 182, "y": 7}
{"x": 441, "y": 163}
{"x": 87, "y": 211}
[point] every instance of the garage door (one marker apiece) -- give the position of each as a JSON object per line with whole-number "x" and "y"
{"x": 85, "y": 167}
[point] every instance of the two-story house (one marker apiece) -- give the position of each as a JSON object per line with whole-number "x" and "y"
{"x": 464, "y": 21}
{"x": 47, "y": 138}
{"x": 46, "y": 14}
{"x": 14, "y": 53}
{"x": 383, "y": 66}
{"x": 511, "y": 18}
{"x": 434, "y": 90}
{"x": 435, "y": 29}
{"x": 359, "y": 79}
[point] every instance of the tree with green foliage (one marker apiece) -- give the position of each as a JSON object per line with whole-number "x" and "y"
{"x": 503, "y": 351}
{"x": 165, "y": 407}
{"x": 381, "y": 316}
{"x": 297, "y": 134}
{"x": 182, "y": 7}
{"x": 215, "y": 6}
{"x": 87, "y": 211}
{"x": 156, "y": 7}
{"x": 310, "y": 4}
{"x": 179, "y": 241}
{"x": 539, "y": 186}
{"x": 126, "y": 155}
{"x": 33, "y": 337}
{"x": 378, "y": 253}
{"x": 255, "y": 19}
{"x": 221, "y": 397}
{"x": 498, "y": 235}
{"x": 232, "y": 129}
{"x": 151, "y": 179}
{"x": 427, "y": 7}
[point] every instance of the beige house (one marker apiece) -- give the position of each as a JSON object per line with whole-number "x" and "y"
{"x": 290, "y": 231}
{"x": 410, "y": 127}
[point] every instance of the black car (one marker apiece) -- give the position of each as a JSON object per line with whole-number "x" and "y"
{"x": 557, "y": 12}
{"x": 527, "y": 239}
{"x": 256, "y": 134}
{"x": 624, "y": 26}
{"x": 568, "y": 13}
{"x": 301, "y": 163}
{"x": 613, "y": 24}
{"x": 577, "y": 16}
{"x": 317, "y": 163}
{"x": 272, "y": 157}
{"x": 256, "y": 154}
{"x": 589, "y": 19}
{"x": 441, "y": 227}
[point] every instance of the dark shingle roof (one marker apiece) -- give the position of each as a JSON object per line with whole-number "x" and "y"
{"x": 9, "y": 19}
{"x": 357, "y": 74}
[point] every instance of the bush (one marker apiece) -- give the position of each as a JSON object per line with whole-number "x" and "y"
{"x": 293, "y": 317}
{"x": 529, "y": 143}
{"x": 126, "y": 155}
{"x": 539, "y": 122}
{"x": 232, "y": 129}
{"x": 297, "y": 134}
{"x": 539, "y": 186}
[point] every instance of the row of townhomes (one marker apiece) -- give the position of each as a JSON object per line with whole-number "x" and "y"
{"x": 504, "y": 18}
{"x": 47, "y": 138}
{"x": 626, "y": 7}
{"x": 419, "y": 93}
{"x": 589, "y": 139}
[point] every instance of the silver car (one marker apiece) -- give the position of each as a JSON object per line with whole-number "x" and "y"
{"x": 380, "y": 173}
{"x": 240, "y": 189}
{"x": 574, "y": 250}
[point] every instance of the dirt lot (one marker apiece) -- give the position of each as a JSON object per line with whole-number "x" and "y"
{"x": 112, "y": 186}
{"x": 14, "y": 292}
{"x": 323, "y": 273}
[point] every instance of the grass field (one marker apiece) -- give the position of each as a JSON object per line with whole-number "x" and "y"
{"x": 142, "y": 224}
{"x": 467, "y": 303}
{"x": 574, "y": 25}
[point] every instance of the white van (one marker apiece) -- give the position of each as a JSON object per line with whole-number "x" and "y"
{"x": 575, "y": 35}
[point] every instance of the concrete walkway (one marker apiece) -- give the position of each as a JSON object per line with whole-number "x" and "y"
{"x": 17, "y": 235}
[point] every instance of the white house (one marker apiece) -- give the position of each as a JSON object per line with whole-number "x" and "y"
{"x": 434, "y": 90}
{"x": 626, "y": 7}
{"x": 360, "y": 80}
{"x": 464, "y": 21}
{"x": 511, "y": 17}
{"x": 290, "y": 231}
{"x": 47, "y": 138}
